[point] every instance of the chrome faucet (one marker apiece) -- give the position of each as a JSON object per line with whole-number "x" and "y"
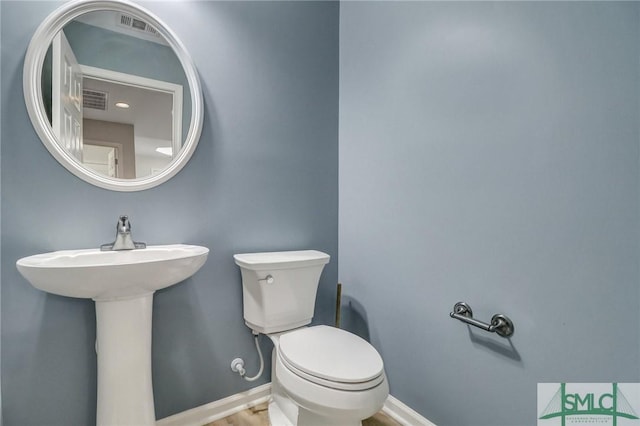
{"x": 123, "y": 237}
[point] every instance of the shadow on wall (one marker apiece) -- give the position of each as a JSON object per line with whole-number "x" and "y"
{"x": 353, "y": 317}
{"x": 503, "y": 347}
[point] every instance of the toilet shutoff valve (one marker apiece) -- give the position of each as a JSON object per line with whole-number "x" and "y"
{"x": 237, "y": 366}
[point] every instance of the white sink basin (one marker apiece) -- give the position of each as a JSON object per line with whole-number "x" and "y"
{"x": 122, "y": 284}
{"x": 108, "y": 275}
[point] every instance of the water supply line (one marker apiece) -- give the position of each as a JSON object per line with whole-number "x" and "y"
{"x": 237, "y": 365}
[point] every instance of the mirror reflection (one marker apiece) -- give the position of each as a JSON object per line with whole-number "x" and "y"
{"x": 116, "y": 95}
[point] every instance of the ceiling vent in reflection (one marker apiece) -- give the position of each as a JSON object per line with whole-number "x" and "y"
{"x": 136, "y": 24}
{"x": 94, "y": 99}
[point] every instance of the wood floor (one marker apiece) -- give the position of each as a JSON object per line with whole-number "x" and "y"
{"x": 257, "y": 416}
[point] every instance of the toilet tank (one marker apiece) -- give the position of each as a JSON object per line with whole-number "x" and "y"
{"x": 279, "y": 288}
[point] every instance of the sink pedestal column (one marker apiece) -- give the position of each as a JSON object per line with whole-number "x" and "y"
{"x": 125, "y": 392}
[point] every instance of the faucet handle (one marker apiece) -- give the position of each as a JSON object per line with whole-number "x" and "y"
{"x": 123, "y": 224}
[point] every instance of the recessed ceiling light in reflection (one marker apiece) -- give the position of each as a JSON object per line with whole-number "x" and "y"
{"x": 123, "y": 105}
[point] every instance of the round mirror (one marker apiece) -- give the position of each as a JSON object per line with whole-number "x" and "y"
{"x": 113, "y": 94}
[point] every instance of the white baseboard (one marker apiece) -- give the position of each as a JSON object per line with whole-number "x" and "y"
{"x": 219, "y": 409}
{"x": 404, "y": 415}
{"x": 222, "y": 408}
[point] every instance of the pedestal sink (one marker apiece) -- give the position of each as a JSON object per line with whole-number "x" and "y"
{"x": 122, "y": 284}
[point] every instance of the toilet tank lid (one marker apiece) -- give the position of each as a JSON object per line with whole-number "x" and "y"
{"x": 281, "y": 259}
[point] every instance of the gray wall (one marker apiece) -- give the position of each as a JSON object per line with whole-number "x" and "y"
{"x": 264, "y": 177}
{"x": 489, "y": 154}
{"x": 1, "y": 103}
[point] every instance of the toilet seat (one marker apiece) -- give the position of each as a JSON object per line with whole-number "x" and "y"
{"x": 331, "y": 357}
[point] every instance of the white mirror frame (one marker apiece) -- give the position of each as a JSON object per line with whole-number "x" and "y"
{"x": 32, "y": 87}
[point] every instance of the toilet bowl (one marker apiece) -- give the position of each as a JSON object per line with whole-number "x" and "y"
{"x": 332, "y": 376}
{"x": 321, "y": 375}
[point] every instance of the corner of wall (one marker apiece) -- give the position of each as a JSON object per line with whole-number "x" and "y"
{"x": 0, "y": 240}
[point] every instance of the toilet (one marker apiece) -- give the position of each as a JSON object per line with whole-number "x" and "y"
{"x": 321, "y": 375}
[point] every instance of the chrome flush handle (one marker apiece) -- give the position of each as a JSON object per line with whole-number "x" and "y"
{"x": 267, "y": 280}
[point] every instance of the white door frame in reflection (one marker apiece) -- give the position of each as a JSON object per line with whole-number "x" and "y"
{"x": 171, "y": 89}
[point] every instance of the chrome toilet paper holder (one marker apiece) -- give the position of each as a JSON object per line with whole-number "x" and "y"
{"x": 500, "y": 324}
